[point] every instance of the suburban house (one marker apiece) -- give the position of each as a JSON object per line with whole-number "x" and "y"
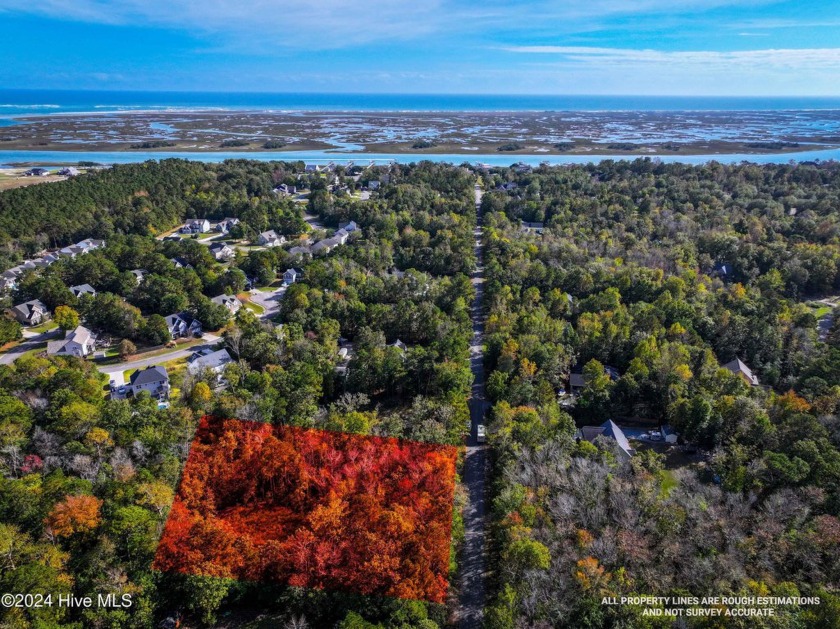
{"x": 228, "y": 301}
{"x": 139, "y": 274}
{"x": 286, "y": 189}
{"x": 300, "y": 251}
{"x": 32, "y": 312}
{"x": 180, "y": 263}
{"x": 345, "y": 355}
{"x": 576, "y": 383}
{"x": 90, "y": 244}
{"x": 740, "y": 369}
{"x": 36, "y": 172}
{"x": 271, "y": 239}
{"x": 325, "y": 246}
{"x": 83, "y": 289}
{"x": 668, "y": 434}
{"x": 313, "y": 168}
{"x": 508, "y": 186}
{"x": 183, "y": 324}
{"x": 349, "y": 227}
{"x": 610, "y": 430}
{"x": 373, "y": 185}
{"x": 341, "y": 236}
{"x": 196, "y": 226}
{"x": 214, "y": 361}
{"x": 226, "y": 224}
{"x": 155, "y": 380}
{"x": 79, "y": 342}
{"x": 222, "y": 251}
{"x": 399, "y": 345}
{"x": 532, "y": 227}
{"x": 69, "y": 171}
{"x": 291, "y": 276}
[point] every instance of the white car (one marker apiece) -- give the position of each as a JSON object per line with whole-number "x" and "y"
{"x": 480, "y": 434}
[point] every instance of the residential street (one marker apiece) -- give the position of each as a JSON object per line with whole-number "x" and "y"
{"x": 268, "y": 300}
{"x": 473, "y": 564}
{"x": 118, "y": 368}
{"x": 30, "y": 342}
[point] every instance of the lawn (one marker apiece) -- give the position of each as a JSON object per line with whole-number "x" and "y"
{"x": 46, "y": 326}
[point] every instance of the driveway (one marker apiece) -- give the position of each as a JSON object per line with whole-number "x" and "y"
{"x": 268, "y": 300}
{"x": 142, "y": 363}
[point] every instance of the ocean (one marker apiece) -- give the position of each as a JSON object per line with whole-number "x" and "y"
{"x": 40, "y": 102}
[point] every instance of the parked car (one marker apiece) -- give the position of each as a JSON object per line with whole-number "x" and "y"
{"x": 480, "y": 434}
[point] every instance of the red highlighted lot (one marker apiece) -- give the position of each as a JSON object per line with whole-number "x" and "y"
{"x": 313, "y": 508}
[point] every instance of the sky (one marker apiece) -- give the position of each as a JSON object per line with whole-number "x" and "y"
{"x": 593, "y": 47}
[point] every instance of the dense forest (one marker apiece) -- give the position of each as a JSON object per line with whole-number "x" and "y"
{"x": 642, "y": 278}
{"x": 87, "y": 482}
{"x": 646, "y": 278}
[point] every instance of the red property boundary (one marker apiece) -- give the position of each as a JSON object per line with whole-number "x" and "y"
{"x": 313, "y": 508}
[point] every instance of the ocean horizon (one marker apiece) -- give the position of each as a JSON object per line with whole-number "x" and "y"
{"x": 17, "y": 102}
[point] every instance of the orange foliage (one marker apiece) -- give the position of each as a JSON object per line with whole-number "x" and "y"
{"x": 74, "y": 514}
{"x": 313, "y": 508}
{"x": 590, "y": 574}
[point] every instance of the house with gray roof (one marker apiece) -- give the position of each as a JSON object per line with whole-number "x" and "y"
{"x": 228, "y": 301}
{"x": 222, "y": 251}
{"x": 79, "y": 342}
{"x": 608, "y": 430}
{"x": 212, "y": 361}
{"x": 83, "y": 289}
{"x": 270, "y": 238}
{"x": 196, "y": 226}
{"x": 182, "y": 324}
{"x": 740, "y": 369}
{"x": 154, "y": 379}
{"x": 33, "y": 312}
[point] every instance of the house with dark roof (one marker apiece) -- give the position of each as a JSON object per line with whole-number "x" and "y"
{"x": 222, "y": 251}
{"x": 740, "y": 369}
{"x": 350, "y": 226}
{"x": 153, "y": 379}
{"x": 83, "y": 289}
{"x": 79, "y": 342}
{"x": 182, "y": 324}
{"x": 180, "y": 263}
{"x": 300, "y": 251}
{"x": 226, "y": 224}
{"x": 609, "y": 430}
{"x": 325, "y": 246}
{"x": 399, "y": 345}
{"x": 32, "y": 312}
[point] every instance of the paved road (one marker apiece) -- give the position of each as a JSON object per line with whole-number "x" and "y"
{"x": 31, "y": 341}
{"x": 142, "y": 363}
{"x": 269, "y": 301}
{"x": 473, "y": 589}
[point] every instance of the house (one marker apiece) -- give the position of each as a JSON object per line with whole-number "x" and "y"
{"x": 214, "y": 361}
{"x": 83, "y": 289}
{"x": 172, "y": 238}
{"x": 291, "y": 276}
{"x": 740, "y": 369}
{"x": 341, "y": 236}
{"x": 69, "y": 171}
{"x": 36, "y": 172}
{"x": 32, "y": 312}
{"x": 722, "y": 270}
{"x": 139, "y": 274}
{"x": 79, "y": 342}
{"x": 349, "y": 227}
{"x": 312, "y": 168}
{"x": 226, "y": 224}
{"x": 532, "y": 227}
{"x": 228, "y": 301}
{"x": 154, "y": 379}
{"x": 612, "y": 372}
{"x": 286, "y": 189}
{"x": 222, "y": 251}
{"x": 610, "y": 430}
{"x": 668, "y": 434}
{"x": 183, "y": 324}
{"x": 196, "y": 226}
{"x": 90, "y": 244}
{"x": 324, "y": 246}
{"x": 271, "y": 239}
{"x": 373, "y": 185}
{"x": 507, "y": 187}
{"x": 399, "y": 345}
{"x": 345, "y": 355}
{"x": 72, "y": 251}
{"x": 576, "y": 383}
{"x": 300, "y": 251}
{"x": 180, "y": 263}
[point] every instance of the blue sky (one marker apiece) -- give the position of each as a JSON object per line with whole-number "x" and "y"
{"x": 645, "y": 47}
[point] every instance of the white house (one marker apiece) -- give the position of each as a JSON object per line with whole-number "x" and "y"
{"x": 214, "y": 361}
{"x": 350, "y": 226}
{"x": 228, "y": 301}
{"x": 341, "y": 236}
{"x": 139, "y": 274}
{"x": 32, "y": 312}
{"x": 291, "y": 276}
{"x": 196, "y": 226}
{"x": 226, "y": 224}
{"x": 80, "y": 342}
{"x": 222, "y": 251}
{"x": 154, "y": 379}
{"x": 182, "y": 324}
{"x": 271, "y": 239}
